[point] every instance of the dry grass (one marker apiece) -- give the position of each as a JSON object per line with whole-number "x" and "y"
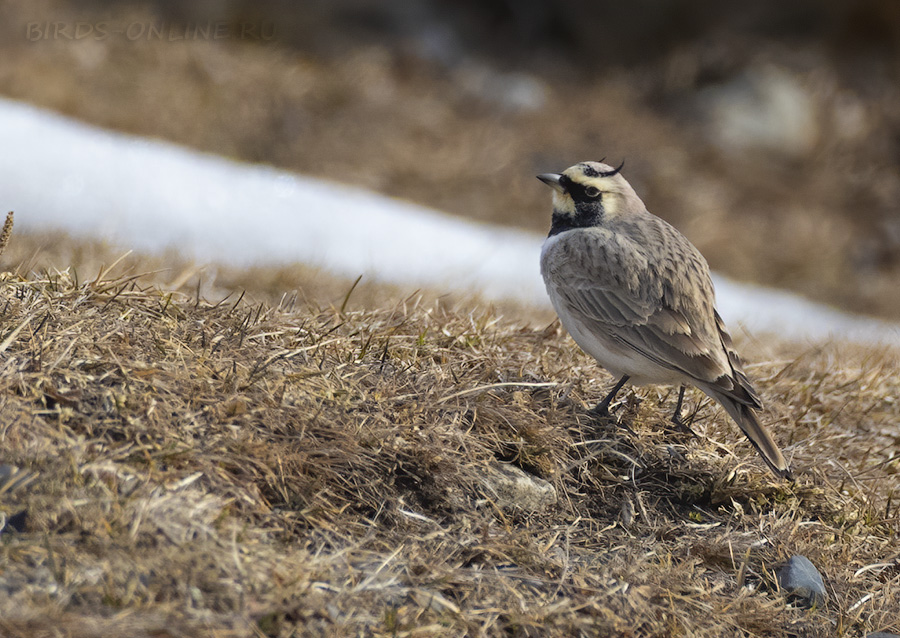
{"x": 237, "y": 469}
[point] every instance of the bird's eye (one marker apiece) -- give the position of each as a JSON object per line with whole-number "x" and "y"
{"x": 592, "y": 192}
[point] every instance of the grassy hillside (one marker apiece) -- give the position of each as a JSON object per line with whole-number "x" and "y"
{"x": 234, "y": 468}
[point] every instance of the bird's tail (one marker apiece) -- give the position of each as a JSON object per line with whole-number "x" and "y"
{"x": 745, "y": 416}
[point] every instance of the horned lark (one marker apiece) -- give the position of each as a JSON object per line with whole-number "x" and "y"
{"x": 636, "y": 295}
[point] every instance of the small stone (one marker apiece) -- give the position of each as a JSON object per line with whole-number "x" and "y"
{"x": 800, "y": 578}
{"x": 626, "y": 513}
{"x": 512, "y": 488}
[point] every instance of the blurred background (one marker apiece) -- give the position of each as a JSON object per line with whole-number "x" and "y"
{"x": 768, "y": 132}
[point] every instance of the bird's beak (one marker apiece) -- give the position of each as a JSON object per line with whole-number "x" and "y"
{"x": 552, "y": 180}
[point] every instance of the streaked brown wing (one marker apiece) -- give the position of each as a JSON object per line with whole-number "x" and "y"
{"x": 661, "y": 335}
{"x": 664, "y": 313}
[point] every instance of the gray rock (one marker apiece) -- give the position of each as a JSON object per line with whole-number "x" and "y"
{"x": 512, "y": 488}
{"x": 766, "y": 108}
{"x": 516, "y": 92}
{"x": 800, "y": 578}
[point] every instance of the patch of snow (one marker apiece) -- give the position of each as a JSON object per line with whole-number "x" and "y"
{"x": 763, "y": 310}
{"x": 151, "y": 195}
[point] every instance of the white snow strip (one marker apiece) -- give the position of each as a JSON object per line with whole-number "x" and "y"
{"x": 57, "y": 173}
{"x": 763, "y": 310}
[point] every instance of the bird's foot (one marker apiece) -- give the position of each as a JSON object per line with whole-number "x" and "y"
{"x": 600, "y": 415}
{"x": 600, "y": 411}
{"x": 681, "y": 426}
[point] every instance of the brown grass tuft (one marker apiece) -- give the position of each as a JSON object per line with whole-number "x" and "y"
{"x": 6, "y": 233}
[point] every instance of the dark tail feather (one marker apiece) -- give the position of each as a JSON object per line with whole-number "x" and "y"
{"x": 759, "y": 436}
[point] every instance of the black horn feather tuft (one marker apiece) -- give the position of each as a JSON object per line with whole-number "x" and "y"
{"x": 612, "y": 172}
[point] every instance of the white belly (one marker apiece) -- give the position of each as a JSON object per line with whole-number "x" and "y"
{"x": 619, "y": 359}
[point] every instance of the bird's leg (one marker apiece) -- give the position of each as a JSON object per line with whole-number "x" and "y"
{"x": 676, "y": 417}
{"x": 602, "y": 408}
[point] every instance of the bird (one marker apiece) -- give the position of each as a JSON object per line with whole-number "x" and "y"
{"x": 636, "y": 295}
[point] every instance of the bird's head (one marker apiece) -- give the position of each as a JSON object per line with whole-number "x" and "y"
{"x": 587, "y": 194}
